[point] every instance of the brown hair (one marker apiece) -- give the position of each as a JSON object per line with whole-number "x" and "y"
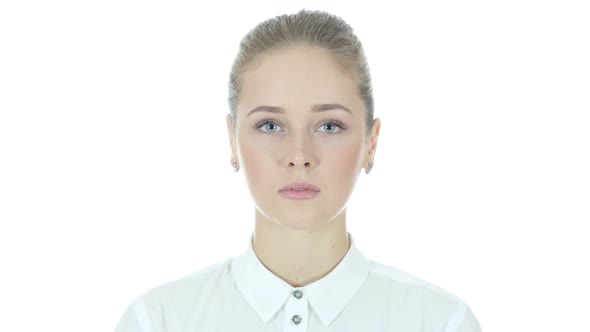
{"x": 311, "y": 28}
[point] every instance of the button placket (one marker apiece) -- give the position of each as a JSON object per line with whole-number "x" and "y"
{"x": 297, "y": 309}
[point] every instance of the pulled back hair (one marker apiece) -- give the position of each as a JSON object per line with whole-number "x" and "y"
{"x": 308, "y": 28}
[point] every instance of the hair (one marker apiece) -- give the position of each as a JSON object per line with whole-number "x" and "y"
{"x": 305, "y": 28}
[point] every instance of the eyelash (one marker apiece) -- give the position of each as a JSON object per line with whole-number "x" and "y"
{"x": 261, "y": 123}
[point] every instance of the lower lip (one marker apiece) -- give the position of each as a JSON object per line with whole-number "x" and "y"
{"x": 299, "y": 194}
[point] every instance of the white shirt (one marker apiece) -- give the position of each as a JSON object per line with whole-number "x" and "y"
{"x": 241, "y": 294}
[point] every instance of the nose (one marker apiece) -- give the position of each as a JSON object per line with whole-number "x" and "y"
{"x": 301, "y": 151}
{"x": 293, "y": 164}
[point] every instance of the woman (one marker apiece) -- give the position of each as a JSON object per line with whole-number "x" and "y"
{"x": 301, "y": 128}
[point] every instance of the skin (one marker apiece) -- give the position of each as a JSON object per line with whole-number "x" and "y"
{"x": 301, "y": 241}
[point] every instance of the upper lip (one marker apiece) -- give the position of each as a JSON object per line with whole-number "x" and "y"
{"x": 300, "y": 185}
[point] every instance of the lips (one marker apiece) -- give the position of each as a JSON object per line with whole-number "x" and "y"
{"x": 300, "y": 186}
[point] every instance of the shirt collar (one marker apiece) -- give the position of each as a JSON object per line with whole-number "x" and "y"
{"x": 267, "y": 293}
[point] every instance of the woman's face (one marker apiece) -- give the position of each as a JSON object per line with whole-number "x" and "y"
{"x": 325, "y": 148}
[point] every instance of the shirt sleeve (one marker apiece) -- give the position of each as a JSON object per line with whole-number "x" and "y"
{"x": 463, "y": 320}
{"x": 135, "y": 318}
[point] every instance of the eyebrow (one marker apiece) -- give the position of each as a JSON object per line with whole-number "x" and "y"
{"x": 314, "y": 109}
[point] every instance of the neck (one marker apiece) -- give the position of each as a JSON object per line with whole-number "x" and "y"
{"x": 300, "y": 256}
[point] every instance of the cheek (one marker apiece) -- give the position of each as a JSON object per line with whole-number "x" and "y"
{"x": 341, "y": 174}
{"x": 258, "y": 165}
{"x": 345, "y": 161}
{"x": 254, "y": 159}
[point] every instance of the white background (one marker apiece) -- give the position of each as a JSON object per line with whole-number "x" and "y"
{"x": 115, "y": 170}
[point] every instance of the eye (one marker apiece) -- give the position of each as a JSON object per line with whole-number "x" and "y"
{"x": 264, "y": 123}
{"x": 336, "y": 126}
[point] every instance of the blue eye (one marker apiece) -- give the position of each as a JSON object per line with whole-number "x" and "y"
{"x": 339, "y": 125}
{"x": 334, "y": 123}
{"x": 264, "y": 124}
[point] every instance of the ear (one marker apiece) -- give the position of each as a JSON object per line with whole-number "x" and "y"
{"x": 231, "y": 137}
{"x": 372, "y": 150}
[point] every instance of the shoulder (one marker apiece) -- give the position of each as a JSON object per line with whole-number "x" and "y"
{"x": 410, "y": 282}
{"x": 148, "y": 310}
{"x": 435, "y": 306}
{"x": 192, "y": 283}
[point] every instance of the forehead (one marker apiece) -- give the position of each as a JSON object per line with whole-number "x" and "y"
{"x": 298, "y": 77}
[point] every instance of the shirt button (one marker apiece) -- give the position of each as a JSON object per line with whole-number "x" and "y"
{"x": 298, "y": 294}
{"x": 296, "y": 319}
